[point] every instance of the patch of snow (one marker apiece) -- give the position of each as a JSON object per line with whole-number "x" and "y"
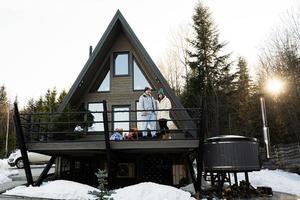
{"x": 278, "y": 180}
{"x": 59, "y": 189}
{"x": 189, "y": 188}
{"x": 5, "y": 172}
{"x": 4, "y": 179}
{"x": 3, "y": 164}
{"x": 151, "y": 191}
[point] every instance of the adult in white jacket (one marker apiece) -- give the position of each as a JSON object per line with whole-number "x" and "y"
{"x": 163, "y": 104}
{"x": 148, "y": 104}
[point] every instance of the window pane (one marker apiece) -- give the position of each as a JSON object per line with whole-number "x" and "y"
{"x": 139, "y": 81}
{"x": 121, "y": 116}
{"x": 96, "y": 107}
{"x": 121, "y": 64}
{"x": 138, "y": 116}
{"x": 105, "y": 85}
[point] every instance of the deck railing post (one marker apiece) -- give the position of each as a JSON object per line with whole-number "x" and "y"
{"x": 107, "y": 142}
{"x": 22, "y": 145}
{"x": 201, "y": 129}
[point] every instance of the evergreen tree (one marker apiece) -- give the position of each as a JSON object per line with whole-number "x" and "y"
{"x": 226, "y": 102}
{"x": 30, "y": 107}
{"x": 243, "y": 97}
{"x": 61, "y": 97}
{"x": 103, "y": 193}
{"x": 51, "y": 103}
{"x": 209, "y": 68}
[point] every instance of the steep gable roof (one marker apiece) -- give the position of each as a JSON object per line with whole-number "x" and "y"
{"x": 117, "y": 24}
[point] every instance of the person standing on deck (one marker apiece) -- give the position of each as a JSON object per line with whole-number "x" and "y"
{"x": 163, "y": 113}
{"x": 148, "y": 105}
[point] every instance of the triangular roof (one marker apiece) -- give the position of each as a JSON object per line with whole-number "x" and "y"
{"x": 117, "y": 24}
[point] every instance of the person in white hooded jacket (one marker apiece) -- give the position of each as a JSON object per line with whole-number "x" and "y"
{"x": 163, "y": 104}
{"x": 148, "y": 104}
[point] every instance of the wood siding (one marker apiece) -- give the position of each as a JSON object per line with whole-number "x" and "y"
{"x": 121, "y": 87}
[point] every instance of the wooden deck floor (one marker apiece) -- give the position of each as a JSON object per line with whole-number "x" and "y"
{"x": 128, "y": 146}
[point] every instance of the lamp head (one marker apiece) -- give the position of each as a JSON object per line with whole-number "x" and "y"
{"x": 274, "y": 86}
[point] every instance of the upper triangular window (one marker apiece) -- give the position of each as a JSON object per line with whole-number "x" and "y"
{"x": 139, "y": 80}
{"x": 105, "y": 85}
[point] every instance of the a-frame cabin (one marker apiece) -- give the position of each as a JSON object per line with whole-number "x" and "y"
{"x": 108, "y": 88}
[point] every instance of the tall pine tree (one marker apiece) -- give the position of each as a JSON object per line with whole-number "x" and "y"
{"x": 209, "y": 68}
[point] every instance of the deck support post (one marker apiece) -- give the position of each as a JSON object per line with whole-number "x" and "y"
{"x": 45, "y": 171}
{"x": 201, "y": 130}
{"x": 22, "y": 145}
{"x": 107, "y": 143}
{"x": 235, "y": 178}
{"x": 192, "y": 172}
{"x": 199, "y": 160}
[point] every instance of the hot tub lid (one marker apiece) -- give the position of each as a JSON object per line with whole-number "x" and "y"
{"x": 222, "y": 138}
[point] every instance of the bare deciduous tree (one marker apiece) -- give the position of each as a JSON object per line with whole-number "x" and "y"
{"x": 174, "y": 64}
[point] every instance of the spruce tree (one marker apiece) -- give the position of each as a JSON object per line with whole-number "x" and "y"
{"x": 243, "y": 98}
{"x": 103, "y": 193}
{"x": 209, "y": 67}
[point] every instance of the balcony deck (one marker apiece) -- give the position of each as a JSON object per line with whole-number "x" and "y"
{"x": 128, "y": 146}
{"x": 56, "y": 134}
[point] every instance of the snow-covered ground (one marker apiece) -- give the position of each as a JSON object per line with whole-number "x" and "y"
{"x": 4, "y": 172}
{"x": 61, "y": 189}
{"x": 279, "y": 180}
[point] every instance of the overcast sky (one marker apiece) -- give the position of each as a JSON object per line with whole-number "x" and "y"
{"x": 44, "y": 43}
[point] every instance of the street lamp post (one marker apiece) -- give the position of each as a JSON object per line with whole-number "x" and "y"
{"x": 265, "y": 125}
{"x": 275, "y": 87}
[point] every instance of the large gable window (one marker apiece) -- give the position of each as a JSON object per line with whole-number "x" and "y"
{"x": 105, "y": 85}
{"x": 139, "y": 80}
{"x": 121, "y": 64}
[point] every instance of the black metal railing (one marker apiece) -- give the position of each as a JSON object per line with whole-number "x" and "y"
{"x": 54, "y": 126}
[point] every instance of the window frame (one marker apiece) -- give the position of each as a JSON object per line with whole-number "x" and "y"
{"x": 113, "y": 115}
{"x": 110, "y": 82}
{"x": 142, "y": 71}
{"x": 87, "y": 108}
{"x": 137, "y": 113}
{"x": 115, "y": 54}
